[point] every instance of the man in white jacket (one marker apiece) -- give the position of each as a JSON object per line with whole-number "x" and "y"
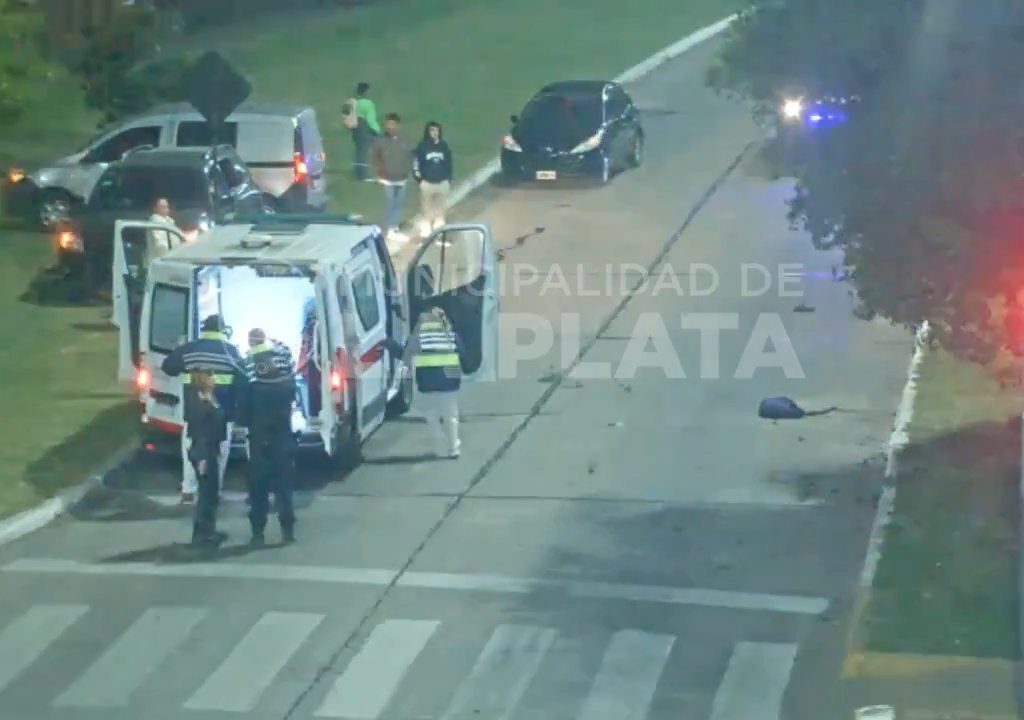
{"x": 161, "y": 242}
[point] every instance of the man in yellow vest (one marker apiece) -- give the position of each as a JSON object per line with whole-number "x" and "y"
{"x": 436, "y": 349}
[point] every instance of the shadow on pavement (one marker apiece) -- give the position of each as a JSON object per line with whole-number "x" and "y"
{"x": 83, "y": 453}
{"x": 401, "y": 459}
{"x": 183, "y": 553}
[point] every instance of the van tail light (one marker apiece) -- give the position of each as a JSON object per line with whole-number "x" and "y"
{"x": 301, "y": 170}
{"x": 142, "y": 379}
{"x": 335, "y": 381}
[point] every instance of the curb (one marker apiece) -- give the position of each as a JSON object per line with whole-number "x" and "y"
{"x": 483, "y": 175}
{"x": 30, "y": 520}
{"x": 898, "y": 440}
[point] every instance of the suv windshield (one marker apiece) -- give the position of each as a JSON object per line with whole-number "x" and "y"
{"x": 137, "y": 188}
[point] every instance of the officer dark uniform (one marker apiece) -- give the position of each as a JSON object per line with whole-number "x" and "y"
{"x": 267, "y": 409}
{"x": 211, "y": 353}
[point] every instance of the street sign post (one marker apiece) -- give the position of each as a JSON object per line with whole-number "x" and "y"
{"x": 215, "y": 90}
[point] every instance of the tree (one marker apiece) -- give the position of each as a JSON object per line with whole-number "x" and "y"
{"x": 922, "y": 190}
{"x": 121, "y": 72}
{"x": 21, "y": 63}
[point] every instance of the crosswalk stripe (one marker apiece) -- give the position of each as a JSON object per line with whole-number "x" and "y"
{"x": 111, "y": 680}
{"x": 754, "y": 682}
{"x": 236, "y": 686}
{"x": 502, "y": 673}
{"x": 25, "y": 639}
{"x": 628, "y": 677}
{"x": 373, "y": 675}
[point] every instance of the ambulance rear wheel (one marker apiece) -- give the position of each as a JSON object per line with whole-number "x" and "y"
{"x": 401, "y": 403}
{"x": 348, "y": 450}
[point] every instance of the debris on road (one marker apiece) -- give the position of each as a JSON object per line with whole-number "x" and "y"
{"x": 802, "y": 308}
{"x": 783, "y": 408}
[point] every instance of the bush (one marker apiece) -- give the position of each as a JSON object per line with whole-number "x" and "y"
{"x": 21, "y": 64}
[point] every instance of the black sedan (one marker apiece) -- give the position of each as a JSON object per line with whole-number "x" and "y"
{"x": 202, "y": 186}
{"x": 582, "y": 128}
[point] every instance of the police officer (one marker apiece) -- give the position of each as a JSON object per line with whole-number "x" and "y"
{"x": 213, "y": 354}
{"x": 436, "y": 349}
{"x": 267, "y": 409}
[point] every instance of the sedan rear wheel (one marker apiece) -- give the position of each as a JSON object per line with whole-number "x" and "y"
{"x": 637, "y": 157}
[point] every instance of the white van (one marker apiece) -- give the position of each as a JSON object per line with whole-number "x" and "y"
{"x": 317, "y": 282}
{"x": 280, "y": 144}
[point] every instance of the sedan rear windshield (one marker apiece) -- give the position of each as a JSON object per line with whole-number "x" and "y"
{"x": 573, "y": 114}
{"x": 138, "y": 188}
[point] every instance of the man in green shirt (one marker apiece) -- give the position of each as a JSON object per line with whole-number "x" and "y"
{"x": 361, "y": 119}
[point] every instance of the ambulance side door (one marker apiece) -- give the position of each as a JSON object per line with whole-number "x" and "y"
{"x": 168, "y": 320}
{"x": 367, "y": 317}
{"x": 128, "y": 278}
{"x": 455, "y": 269}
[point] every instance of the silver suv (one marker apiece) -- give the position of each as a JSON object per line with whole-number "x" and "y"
{"x": 280, "y": 144}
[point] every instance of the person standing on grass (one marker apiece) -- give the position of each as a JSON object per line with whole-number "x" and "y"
{"x": 392, "y": 161}
{"x": 360, "y": 117}
{"x": 432, "y": 169}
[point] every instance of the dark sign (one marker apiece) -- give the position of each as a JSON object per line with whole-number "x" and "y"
{"x": 215, "y": 89}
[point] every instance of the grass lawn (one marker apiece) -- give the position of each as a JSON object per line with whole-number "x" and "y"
{"x": 467, "y": 63}
{"x": 946, "y": 583}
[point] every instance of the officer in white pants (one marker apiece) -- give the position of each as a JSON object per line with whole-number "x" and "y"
{"x": 436, "y": 349}
{"x": 211, "y": 352}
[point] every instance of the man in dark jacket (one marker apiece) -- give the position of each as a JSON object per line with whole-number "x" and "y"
{"x": 436, "y": 351}
{"x": 212, "y": 353}
{"x": 267, "y": 409}
{"x": 432, "y": 169}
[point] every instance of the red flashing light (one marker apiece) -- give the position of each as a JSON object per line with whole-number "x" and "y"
{"x": 335, "y": 381}
{"x": 142, "y": 379}
{"x": 301, "y": 170}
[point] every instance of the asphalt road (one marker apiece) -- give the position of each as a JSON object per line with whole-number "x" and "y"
{"x": 638, "y": 546}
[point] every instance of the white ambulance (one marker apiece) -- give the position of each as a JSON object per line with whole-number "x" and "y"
{"x": 323, "y": 285}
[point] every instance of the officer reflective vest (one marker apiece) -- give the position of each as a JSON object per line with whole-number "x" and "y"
{"x": 212, "y": 353}
{"x": 270, "y": 392}
{"x": 437, "y": 358}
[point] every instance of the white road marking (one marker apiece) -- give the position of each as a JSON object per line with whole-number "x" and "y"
{"x": 111, "y": 680}
{"x": 25, "y": 639}
{"x": 371, "y": 678}
{"x": 629, "y": 674}
{"x": 236, "y": 686}
{"x": 754, "y": 682}
{"x": 798, "y": 604}
{"x": 502, "y": 673}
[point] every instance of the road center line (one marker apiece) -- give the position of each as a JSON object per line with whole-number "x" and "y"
{"x": 663, "y": 594}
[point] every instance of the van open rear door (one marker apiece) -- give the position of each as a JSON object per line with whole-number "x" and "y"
{"x": 129, "y": 277}
{"x": 327, "y": 341}
{"x": 455, "y": 269}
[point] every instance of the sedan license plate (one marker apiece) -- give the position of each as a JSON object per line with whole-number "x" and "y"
{"x": 546, "y": 175}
